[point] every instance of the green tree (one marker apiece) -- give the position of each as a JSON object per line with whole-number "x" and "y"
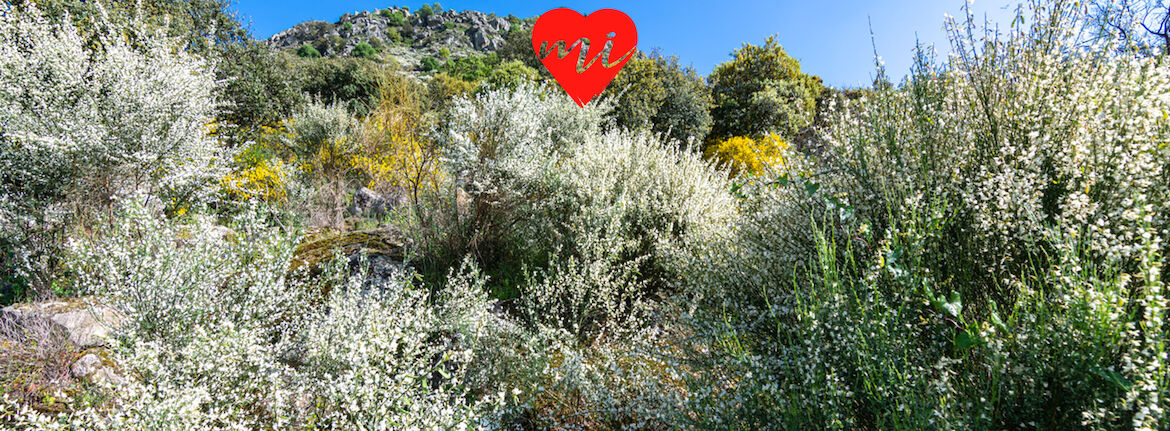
{"x": 658, "y": 94}
{"x": 762, "y": 90}
{"x": 425, "y": 11}
{"x": 348, "y": 80}
{"x": 307, "y": 51}
{"x": 364, "y": 50}
{"x": 256, "y": 90}
{"x": 511, "y": 73}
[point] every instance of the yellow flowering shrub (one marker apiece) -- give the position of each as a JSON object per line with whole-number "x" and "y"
{"x": 266, "y": 180}
{"x": 741, "y": 154}
{"x": 396, "y": 157}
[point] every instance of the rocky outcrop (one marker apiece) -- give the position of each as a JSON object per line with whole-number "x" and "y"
{"x": 88, "y": 325}
{"x": 55, "y": 348}
{"x": 96, "y": 367}
{"x": 462, "y": 33}
{"x": 384, "y": 250}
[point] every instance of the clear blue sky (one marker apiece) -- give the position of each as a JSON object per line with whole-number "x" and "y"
{"x": 829, "y": 37}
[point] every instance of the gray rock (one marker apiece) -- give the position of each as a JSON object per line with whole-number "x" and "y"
{"x": 472, "y": 33}
{"x": 91, "y": 367}
{"x": 369, "y": 203}
{"x": 88, "y": 325}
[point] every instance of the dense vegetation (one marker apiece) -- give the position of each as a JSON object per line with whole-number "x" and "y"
{"x": 978, "y": 246}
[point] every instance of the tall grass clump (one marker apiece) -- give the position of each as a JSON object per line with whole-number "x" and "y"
{"x": 977, "y": 247}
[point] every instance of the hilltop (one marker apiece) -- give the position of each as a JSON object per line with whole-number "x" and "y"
{"x": 400, "y": 34}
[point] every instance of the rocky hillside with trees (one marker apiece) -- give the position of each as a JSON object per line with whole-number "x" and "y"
{"x": 401, "y": 35}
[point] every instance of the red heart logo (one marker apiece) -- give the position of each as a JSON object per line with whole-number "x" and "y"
{"x": 602, "y": 35}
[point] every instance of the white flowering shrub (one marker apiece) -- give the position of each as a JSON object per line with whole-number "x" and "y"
{"x": 169, "y": 278}
{"x": 380, "y": 360}
{"x": 602, "y": 216}
{"x": 974, "y": 249}
{"x": 87, "y": 120}
{"x": 1028, "y": 132}
{"x": 219, "y": 335}
{"x": 133, "y": 110}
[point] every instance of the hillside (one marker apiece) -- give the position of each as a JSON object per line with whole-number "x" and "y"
{"x": 202, "y": 231}
{"x": 401, "y": 34}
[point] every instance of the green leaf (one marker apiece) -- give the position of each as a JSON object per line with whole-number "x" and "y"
{"x": 1113, "y": 377}
{"x": 995, "y": 320}
{"x": 954, "y": 307}
{"x": 811, "y": 187}
{"x": 965, "y": 341}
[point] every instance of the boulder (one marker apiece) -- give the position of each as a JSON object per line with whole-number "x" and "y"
{"x": 473, "y": 33}
{"x": 384, "y": 249}
{"x": 95, "y": 367}
{"x": 88, "y": 325}
{"x": 369, "y": 203}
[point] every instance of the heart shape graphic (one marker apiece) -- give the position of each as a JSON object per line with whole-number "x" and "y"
{"x": 578, "y": 50}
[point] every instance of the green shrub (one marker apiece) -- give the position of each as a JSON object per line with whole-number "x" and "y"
{"x": 396, "y": 18}
{"x": 762, "y": 90}
{"x": 657, "y": 94}
{"x": 364, "y": 50}
{"x": 394, "y": 36}
{"x": 330, "y": 45}
{"x": 443, "y": 90}
{"x": 347, "y": 27}
{"x": 467, "y": 68}
{"x": 444, "y": 53}
{"x": 350, "y": 81}
{"x": 430, "y": 64}
{"x": 307, "y": 51}
{"x": 425, "y": 11}
{"x": 511, "y": 74}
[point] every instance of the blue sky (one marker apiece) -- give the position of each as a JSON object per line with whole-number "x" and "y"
{"x": 829, "y": 37}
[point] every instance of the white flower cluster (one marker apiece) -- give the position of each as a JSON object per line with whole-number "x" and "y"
{"x": 219, "y": 335}
{"x": 614, "y": 212}
{"x": 133, "y": 110}
{"x": 88, "y": 120}
{"x": 1031, "y": 131}
{"x": 978, "y": 246}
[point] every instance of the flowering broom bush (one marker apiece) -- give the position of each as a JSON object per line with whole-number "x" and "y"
{"x": 88, "y": 121}
{"x": 976, "y": 249}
